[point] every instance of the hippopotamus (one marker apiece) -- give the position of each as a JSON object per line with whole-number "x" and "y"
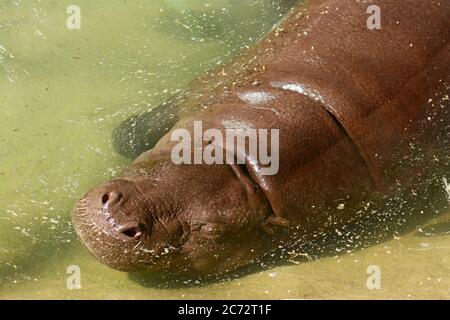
{"x": 345, "y": 102}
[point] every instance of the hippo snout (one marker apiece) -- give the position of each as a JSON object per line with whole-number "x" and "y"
{"x": 113, "y": 212}
{"x": 114, "y": 221}
{"x": 109, "y": 208}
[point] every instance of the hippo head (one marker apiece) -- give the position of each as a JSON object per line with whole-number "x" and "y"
{"x": 192, "y": 219}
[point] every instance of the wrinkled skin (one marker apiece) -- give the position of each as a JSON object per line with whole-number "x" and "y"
{"x": 345, "y": 99}
{"x": 157, "y": 227}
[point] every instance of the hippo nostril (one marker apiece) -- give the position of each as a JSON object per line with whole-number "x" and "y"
{"x": 111, "y": 198}
{"x": 131, "y": 232}
{"x": 105, "y": 198}
{"x": 134, "y": 232}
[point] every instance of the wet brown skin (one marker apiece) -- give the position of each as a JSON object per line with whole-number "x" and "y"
{"x": 343, "y": 97}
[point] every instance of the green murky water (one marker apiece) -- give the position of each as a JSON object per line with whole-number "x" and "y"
{"x": 61, "y": 94}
